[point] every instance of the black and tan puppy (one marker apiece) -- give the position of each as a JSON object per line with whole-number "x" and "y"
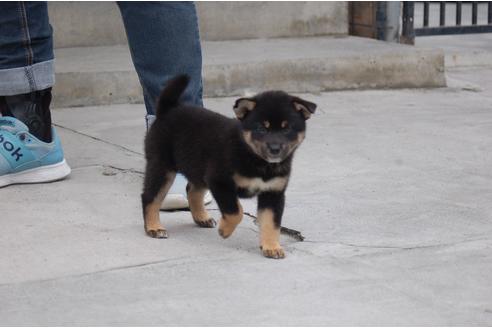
{"x": 233, "y": 158}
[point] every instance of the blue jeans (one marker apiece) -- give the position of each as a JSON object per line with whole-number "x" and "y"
{"x": 163, "y": 38}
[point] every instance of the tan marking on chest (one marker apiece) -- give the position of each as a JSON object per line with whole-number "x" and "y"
{"x": 258, "y": 184}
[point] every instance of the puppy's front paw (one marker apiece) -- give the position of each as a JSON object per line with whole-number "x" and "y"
{"x": 157, "y": 233}
{"x": 207, "y": 223}
{"x": 228, "y": 223}
{"x": 274, "y": 252}
{"x": 226, "y": 228}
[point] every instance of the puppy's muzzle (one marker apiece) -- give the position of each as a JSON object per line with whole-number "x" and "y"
{"x": 275, "y": 152}
{"x": 274, "y": 148}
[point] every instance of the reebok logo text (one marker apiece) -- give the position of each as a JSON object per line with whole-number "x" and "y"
{"x": 8, "y": 146}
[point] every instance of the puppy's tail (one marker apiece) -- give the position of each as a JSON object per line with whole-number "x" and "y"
{"x": 171, "y": 93}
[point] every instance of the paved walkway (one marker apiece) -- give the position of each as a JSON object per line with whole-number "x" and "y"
{"x": 392, "y": 190}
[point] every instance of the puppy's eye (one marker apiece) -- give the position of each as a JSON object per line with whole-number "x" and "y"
{"x": 286, "y": 128}
{"x": 260, "y": 128}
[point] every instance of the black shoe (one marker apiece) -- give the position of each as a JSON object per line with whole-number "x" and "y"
{"x": 33, "y": 109}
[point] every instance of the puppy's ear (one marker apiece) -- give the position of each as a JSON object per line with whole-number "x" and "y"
{"x": 305, "y": 107}
{"x": 243, "y": 106}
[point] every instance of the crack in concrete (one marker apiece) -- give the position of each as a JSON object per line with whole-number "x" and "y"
{"x": 297, "y": 235}
{"x": 404, "y": 248}
{"x": 180, "y": 261}
{"x": 98, "y": 139}
{"x": 120, "y": 169}
{"x": 112, "y": 269}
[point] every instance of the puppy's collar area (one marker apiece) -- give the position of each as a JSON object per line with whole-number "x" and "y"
{"x": 274, "y": 160}
{"x": 256, "y": 184}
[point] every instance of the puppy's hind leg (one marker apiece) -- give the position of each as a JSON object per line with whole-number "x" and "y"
{"x": 197, "y": 207}
{"x": 157, "y": 182}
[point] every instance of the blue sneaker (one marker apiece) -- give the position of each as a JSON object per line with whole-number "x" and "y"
{"x": 26, "y": 159}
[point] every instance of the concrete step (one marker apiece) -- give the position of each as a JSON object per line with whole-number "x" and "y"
{"x": 85, "y": 24}
{"x": 466, "y": 50}
{"x": 105, "y": 75}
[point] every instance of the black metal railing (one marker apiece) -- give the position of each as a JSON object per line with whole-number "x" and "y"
{"x": 457, "y": 27}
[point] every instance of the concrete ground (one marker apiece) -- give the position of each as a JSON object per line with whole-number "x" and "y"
{"x": 392, "y": 190}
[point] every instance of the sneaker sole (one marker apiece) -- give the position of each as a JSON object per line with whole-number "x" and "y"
{"x": 40, "y": 174}
{"x": 174, "y": 202}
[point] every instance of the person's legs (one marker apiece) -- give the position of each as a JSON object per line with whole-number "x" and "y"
{"x": 27, "y": 65}
{"x": 164, "y": 41}
{"x": 26, "y": 52}
{"x": 31, "y": 151}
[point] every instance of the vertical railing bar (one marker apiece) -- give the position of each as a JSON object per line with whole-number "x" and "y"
{"x": 458, "y": 12}
{"x": 489, "y": 15}
{"x": 426, "y": 13}
{"x": 474, "y": 12}
{"x": 442, "y": 13}
{"x": 381, "y": 18}
{"x": 408, "y": 32}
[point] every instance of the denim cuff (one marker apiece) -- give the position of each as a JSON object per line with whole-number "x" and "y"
{"x": 20, "y": 80}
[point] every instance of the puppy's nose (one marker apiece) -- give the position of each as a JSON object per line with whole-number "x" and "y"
{"x": 274, "y": 148}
